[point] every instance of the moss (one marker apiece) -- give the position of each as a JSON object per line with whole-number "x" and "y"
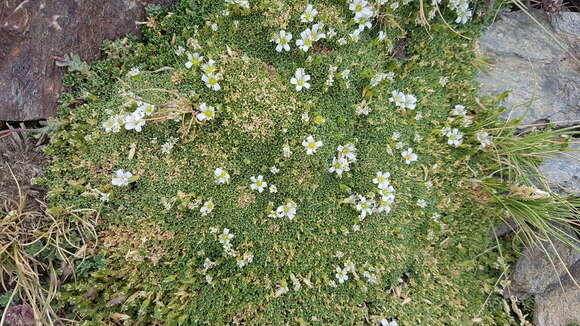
{"x": 151, "y": 257}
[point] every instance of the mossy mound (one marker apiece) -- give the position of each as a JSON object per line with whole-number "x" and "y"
{"x": 160, "y": 259}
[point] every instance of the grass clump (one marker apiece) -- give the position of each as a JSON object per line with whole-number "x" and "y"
{"x": 234, "y": 190}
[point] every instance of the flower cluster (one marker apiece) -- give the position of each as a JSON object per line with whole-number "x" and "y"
{"x": 345, "y": 156}
{"x": 342, "y": 273}
{"x": 402, "y": 100}
{"x": 363, "y": 14}
{"x": 380, "y": 202}
{"x": 132, "y": 121}
{"x": 461, "y": 8}
{"x": 225, "y": 238}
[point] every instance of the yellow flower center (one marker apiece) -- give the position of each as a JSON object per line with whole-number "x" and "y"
{"x": 311, "y": 145}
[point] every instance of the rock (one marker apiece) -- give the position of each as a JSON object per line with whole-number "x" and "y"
{"x": 563, "y": 170}
{"x": 535, "y": 272}
{"x": 544, "y": 78}
{"x": 561, "y": 305}
{"x": 34, "y": 32}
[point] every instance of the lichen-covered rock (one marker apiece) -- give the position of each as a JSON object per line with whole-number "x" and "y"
{"x": 33, "y": 33}
{"x": 543, "y": 78}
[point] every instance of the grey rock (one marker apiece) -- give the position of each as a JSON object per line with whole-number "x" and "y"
{"x": 563, "y": 170}
{"x": 535, "y": 272}
{"x": 561, "y": 305}
{"x": 543, "y": 78}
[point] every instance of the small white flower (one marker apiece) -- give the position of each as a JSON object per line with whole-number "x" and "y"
{"x": 484, "y": 139}
{"x": 342, "y": 41}
{"x": 134, "y": 72}
{"x": 361, "y": 8}
{"x": 135, "y": 121}
{"x": 146, "y": 108}
{"x": 286, "y": 151}
{"x": 311, "y": 145}
{"x": 283, "y": 41}
{"x": 419, "y": 116}
{"x": 306, "y": 40}
{"x": 396, "y": 135}
{"x": 300, "y": 79}
{"x": 206, "y": 112}
{"x": 363, "y": 109}
{"x": 316, "y": 33}
{"x": 399, "y": 145}
{"x": 410, "y": 101}
{"x": 355, "y": 35}
{"x": 409, "y": 156}
{"x": 341, "y": 275}
{"x": 309, "y": 14}
{"x": 443, "y": 81}
{"x": 207, "y": 207}
{"x": 274, "y": 170}
{"x": 455, "y": 137}
{"x": 221, "y": 176}
{"x": 382, "y": 36}
{"x": 273, "y": 189}
{"x": 363, "y": 22}
{"x": 384, "y": 205}
{"x": 422, "y": 203}
{"x": 168, "y": 146}
{"x": 258, "y": 183}
{"x": 385, "y": 322}
{"x": 365, "y": 207}
{"x": 245, "y": 259}
{"x": 356, "y": 228}
{"x": 349, "y": 267}
{"x": 121, "y": 178}
{"x": 114, "y": 123}
{"x": 305, "y": 117}
{"x": 339, "y": 166}
{"x": 458, "y": 111}
{"x": 212, "y": 81}
{"x": 180, "y": 51}
{"x": 226, "y": 236}
{"x": 395, "y": 5}
{"x": 388, "y": 193}
{"x": 382, "y": 180}
{"x": 417, "y": 138}
{"x": 193, "y": 60}
{"x": 347, "y": 151}
{"x": 398, "y": 98}
{"x": 287, "y": 210}
{"x": 209, "y": 67}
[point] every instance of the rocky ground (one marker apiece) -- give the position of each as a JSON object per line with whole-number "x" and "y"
{"x": 544, "y": 79}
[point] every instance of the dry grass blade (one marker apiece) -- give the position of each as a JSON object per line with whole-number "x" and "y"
{"x": 27, "y": 237}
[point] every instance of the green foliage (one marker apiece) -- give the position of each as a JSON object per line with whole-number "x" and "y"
{"x": 154, "y": 241}
{"x": 74, "y": 64}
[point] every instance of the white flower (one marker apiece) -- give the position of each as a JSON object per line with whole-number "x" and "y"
{"x": 146, "y": 108}
{"x": 212, "y": 81}
{"x": 443, "y": 81}
{"x": 309, "y": 14}
{"x": 341, "y": 275}
{"x": 422, "y": 203}
{"x": 379, "y": 77}
{"x": 180, "y": 51}
{"x": 397, "y": 97}
{"x": 274, "y": 169}
{"x": 193, "y": 60}
{"x": 209, "y": 67}
{"x": 226, "y": 236}
{"x": 395, "y": 5}
{"x": 382, "y": 180}
{"x": 135, "y": 121}
{"x": 349, "y": 266}
{"x": 206, "y": 112}
{"x": 445, "y": 131}
{"x": 286, "y": 151}
{"x": 283, "y": 41}
{"x": 311, "y": 145}
{"x": 388, "y": 193}
{"x": 484, "y": 138}
{"x": 306, "y": 41}
{"x": 371, "y": 277}
{"x": 363, "y": 22}
{"x": 121, "y": 178}
{"x": 410, "y": 101}
{"x": 363, "y": 109}
{"x": 455, "y": 137}
{"x": 258, "y": 183}
{"x": 458, "y": 110}
{"x": 245, "y": 259}
{"x": 339, "y": 166}
{"x": 382, "y": 36}
{"x": 409, "y": 156}
{"x": 361, "y": 8}
{"x": 419, "y": 116}
{"x": 288, "y": 210}
{"x": 316, "y": 33}
{"x": 300, "y": 79}
{"x": 273, "y": 189}
{"x": 385, "y": 322}
{"x": 399, "y": 145}
{"x": 207, "y": 207}
{"x": 347, "y": 151}
{"x": 355, "y": 35}
{"x": 168, "y": 146}
{"x": 384, "y": 205}
{"x": 365, "y": 207}
{"x": 221, "y": 176}
{"x": 396, "y": 135}
{"x": 342, "y": 41}
{"x": 463, "y": 16}
{"x": 134, "y": 72}
{"x": 114, "y": 123}
{"x": 417, "y": 138}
